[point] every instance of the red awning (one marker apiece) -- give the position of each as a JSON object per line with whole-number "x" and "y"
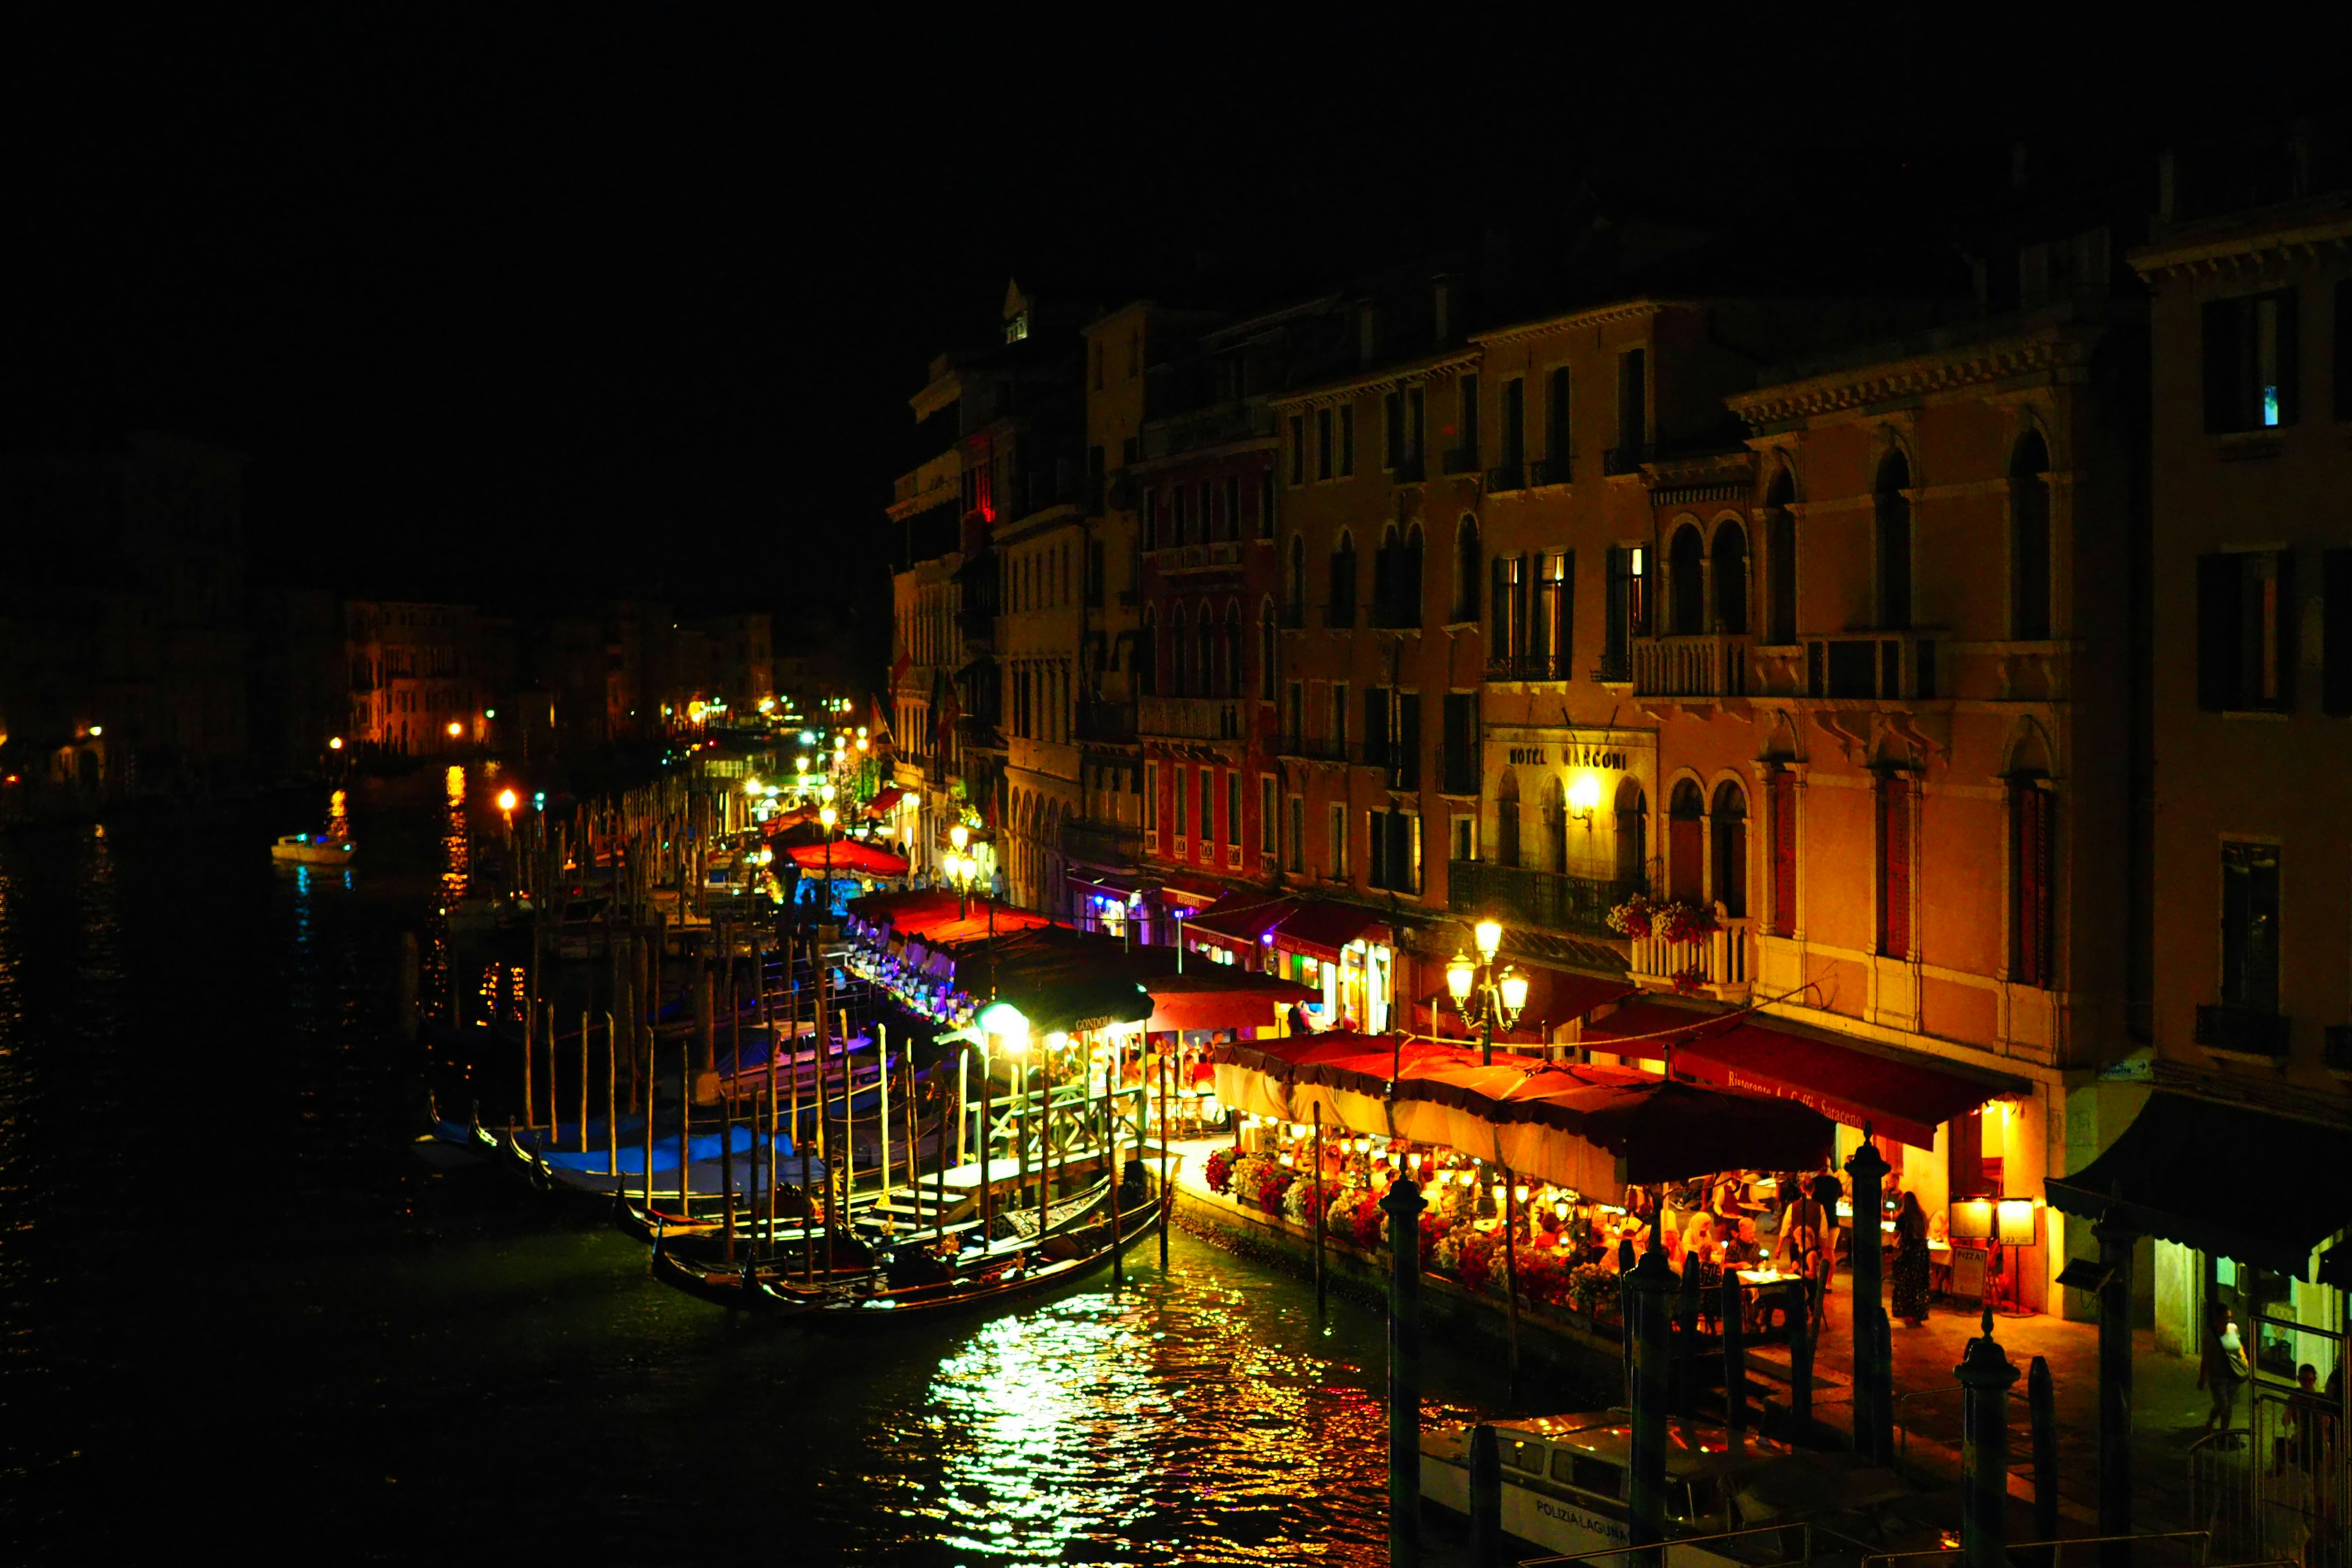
{"x": 1190, "y": 891}
{"x": 1218, "y": 996}
{"x": 885, "y": 800}
{"x": 1321, "y": 928}
{"x": 1239, "y": 919}
{"x": 850, "y": 858}
{"x": 1648, "y": 1026}
{"x": 1902, "y": 1097}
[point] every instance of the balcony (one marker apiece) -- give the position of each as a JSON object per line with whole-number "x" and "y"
{"x": 1507, "y": 477}
{"x": 1545, "y": 900}
{"x": 1180, "y": 558}
{"x": 1715, "y": 965}
{"x": 1550, "y": 471}
{"x": 1691, "y": 667}
{"x": 1528, "y": 666}
{"x": 1314, "y": 748}
{"x": 1462, "y": 461}
{"x": 1615, "y": 669}
{"x": 2247, "y": 1029}
{"x": 1106, "y": 844}
{"x": 1885, "y": 667}
{"x": 1106, "y": 723}
{"x": 1193, "y": 718}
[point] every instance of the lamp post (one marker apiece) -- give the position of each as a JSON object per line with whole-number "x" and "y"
{"x": 960, "y": 869}
{"x": 826, "y": 816}
{"x": 1499, "y": 997}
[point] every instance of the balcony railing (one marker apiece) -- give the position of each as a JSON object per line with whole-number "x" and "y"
{"x": 1882, "y": 665}
{"x": 1507, "y": 477}
{"x": 1614, "y": 669}
{"x": 1550, "y": 471}
{"x": 1691, "y": 667}
{"x": 1314, "y": 748}
{"x": 1528, "y": 666}
{"x": 1107, "y": 843}
{"x": 1193, "y": 718}
{"x": 1462, "y": 461}
{"x": 1716, "y": 963}
{"x": 2248, "y": 1029}
{"x": 1548, "y": 900}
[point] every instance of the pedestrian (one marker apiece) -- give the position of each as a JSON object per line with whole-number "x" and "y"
{"x": 2224, "y": 1370}
{"x": 1911, "y": 1261}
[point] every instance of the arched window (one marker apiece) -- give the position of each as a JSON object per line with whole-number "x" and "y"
{"x": 1408, "y": 578}
{"x": 1267, "y": 642}
{"x": 1506, "y": 818}
{"x": 1229, "y": 678}
{"x": 1731, "y": 579}
{"x": 1467, "y": 564}
{"x": 1729, "y": 824}
{"x": 1179, "y": 665}
{"x": 1687, "y": 584}
{"x": 2029, "y": 513}
{"x": 1781, "y": 560}
{"x": 1147, "y": 656}
{"x": 1894, "y": 510}
{"x": 1294, "y": 587}
{"x": 1686, "y": 847}
{"x": 1342, "y": 601}
{"x": 1384, "y": 567}
{"x": 1632, "y": 835}
{"x": 1554, "y": 828}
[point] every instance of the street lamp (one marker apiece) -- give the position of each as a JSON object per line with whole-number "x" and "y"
{"x": 1497, "y": 998}
{"x": 827, "y": 817}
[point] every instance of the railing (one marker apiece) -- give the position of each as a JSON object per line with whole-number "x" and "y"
{"x": 1507, "y": 477}
{"x": 1315, "y": 748}
{"x": 1550, "y": 901}
{"x": 2248, "y": 1030}
{"x": 1614, "y": 669}
{"x": 1718, "y": 961}
{"x": 1691, "y": 667}
{"x": 1191, "y": 718}
{"x": 1101, "y": 843}
{"x": 1528, "y": 666}
{"x": 2340, "y": 1047}
{"x": 2056, "y": 1550}
{"x": 1884, "y": 666}
{"x": 1174, "y": 558}
{"x": 1461, "y": 460}
{"x": 1550, "y": 471}
{"x": 1661, "y": 1555}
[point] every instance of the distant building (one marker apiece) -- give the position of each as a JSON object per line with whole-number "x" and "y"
{"x": 412, "y": 686}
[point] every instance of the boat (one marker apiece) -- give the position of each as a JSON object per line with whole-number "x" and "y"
{"x": 1565, "y": 1481}
{"x": 315, "y": 848}
{"x": 1064, "y": 1258}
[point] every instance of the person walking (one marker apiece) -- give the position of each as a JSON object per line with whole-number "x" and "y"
{"x": 2224, "y": 1370}
{"x": 1910, "y": 1278}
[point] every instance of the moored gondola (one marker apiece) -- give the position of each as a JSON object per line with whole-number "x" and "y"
{"x": 1064, "y": 1258}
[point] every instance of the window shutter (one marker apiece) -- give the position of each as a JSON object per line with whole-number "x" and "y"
{"x": 1784, "y": 853}
{"x": 2223, "y": 352}
{"x": 2289, "y": 619}
{"x": 1895, "y": 867}
{"x": 2218, "y": 632}
{"x": 2335, "y": 680}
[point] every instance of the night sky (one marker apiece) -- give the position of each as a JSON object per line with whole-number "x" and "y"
{"x": 591, "y": 308}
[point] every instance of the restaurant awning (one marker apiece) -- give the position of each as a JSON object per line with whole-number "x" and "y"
{"x": 1595, "y": 1129}
{"x": 1904, "y": 1098}
{"x": 1218, "y": 996}
{"x": 1240, "y": 921}
{"x": 2160, "y": 1173}
{"x": 1190, "y": 891}
{"x": 1319, "y": 930}
{"x": 885, "y": 801}
{"x": 849, "y": 858}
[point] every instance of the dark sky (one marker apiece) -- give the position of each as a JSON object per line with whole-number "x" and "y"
{"x": 606, "y": 304}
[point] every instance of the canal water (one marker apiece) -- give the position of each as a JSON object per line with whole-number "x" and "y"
{"x": 241, "y": 1311}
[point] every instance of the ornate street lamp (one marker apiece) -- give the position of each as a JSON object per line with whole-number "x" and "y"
{"x": 1482, "y": 996}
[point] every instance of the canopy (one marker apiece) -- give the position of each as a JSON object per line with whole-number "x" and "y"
{"x": 1219, "y": 996}
{"x": 1319, "y": 930}
{"x": 2160, "y": 1174}
{"x": 1904, "y": 1098}
{"x": 850, "y": 858}
{"x": 1240, "y": 919}
{"x": 1594, "y": 1129}
{"x": 885, "y": 801}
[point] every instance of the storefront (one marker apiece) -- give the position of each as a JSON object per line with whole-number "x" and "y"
{"x": 1348, "y": 954}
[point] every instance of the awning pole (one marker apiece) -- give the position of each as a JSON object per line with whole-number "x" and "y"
{"x": 1511, "y": 1271}
{"x": 1315, "y": 1187}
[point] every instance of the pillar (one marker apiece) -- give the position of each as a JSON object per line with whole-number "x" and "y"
{"x": 1867, "y": 1170}
{"x": 1404, "y": 1203}
{"x": 2115, "y": 1388}
{"x": 1984, "y": 1376}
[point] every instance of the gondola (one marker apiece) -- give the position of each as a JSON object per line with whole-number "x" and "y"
{"x": 1063, "y": 1258}
{"x": 738, "y": 1287}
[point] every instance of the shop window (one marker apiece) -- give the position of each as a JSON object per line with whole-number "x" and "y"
{"x": 1895, "y": 865}
{"x": 2033, "y": 811}
{"x": 2245, "y": 631}
{"x": 2029, "y": 516}
{"x": 1686, "y": 843}
{"x": 1784, "y": 852}
{"x": 1506, "y": 818}
{"x": 2249, "y": 926}
{"x": 1728, "y": 823}
{"x": 2251, "y": 376}
{"x": 1893, "y": 509}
